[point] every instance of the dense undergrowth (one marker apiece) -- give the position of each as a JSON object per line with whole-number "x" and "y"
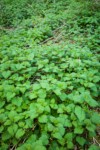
{"x": 49, "y": 75}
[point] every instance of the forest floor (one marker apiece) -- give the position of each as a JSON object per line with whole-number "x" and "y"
{"x": 49, "y": 75}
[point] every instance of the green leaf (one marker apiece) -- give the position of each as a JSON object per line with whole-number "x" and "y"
{"x": 79, "y": 113}
{"x": 42, "y": 93}
{"x": 93, "y": 103}
{"x": 91, "y": 127}
{"x": 32, "y": 95}
{"x": 57, "y": 92}
{"x": 39, "y": 147}
{"x": 12, "y": 114}
{"x": 10, "y": 95}
{"x": 60, "y": 110}
{"x": 36, "y": 86}
{"x": 6, "y": 136}
{"x": 50, "y": 127}
{"x": 32, "y": 138}
{"x": 40, "y": 108}
{"x": 43, "y": 119}
{"x": 54, "y": 144}
{"x": 47, "y": 109}
{"x": 12, "y": 129}
{"x": 62, "y": 142}
{"x": 31, "y": 56}
{"x": 80, "y": 140}
{"x": 44, "y": 84}
{"x": 29, "y": 123}
{"x": 63, "y": 96}
{"x": 95, "y": 118}
{"x": 57, "y": 135}
{"x": 78, "y": 99}
{"x": 22, "y": 89}
{"x": 2, "y": 104}
{"x": 94, "y": 147}
{"x": 1, "y": 129}
{"x": 44, "y": 139}
{"x": 69, "y": 136}
{"x": 17, "y": 101}
{"x": 6, "y": 74}
{"x": 20, "y": 133}
{"x": 70, "y": 107}
{"x": 61, "y": 129}
{"x": 70, "y": 145}
{"x": 32, "y": 114}
{"x": 3, "y": 117}
{"x": 67, "y": 123}
{"x": 21, "y": 124}
{"x": 15, "y": 127}
{"x": 4, "y": 146}
{"x": 78, "y": 130}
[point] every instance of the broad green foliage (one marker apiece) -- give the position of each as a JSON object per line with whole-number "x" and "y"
{"x": 49, "y": 86}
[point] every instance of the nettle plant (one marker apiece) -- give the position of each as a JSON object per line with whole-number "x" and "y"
{"x": 49, "y": 97}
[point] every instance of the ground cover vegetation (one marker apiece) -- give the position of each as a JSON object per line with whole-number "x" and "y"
{"x": 49, "y": 75}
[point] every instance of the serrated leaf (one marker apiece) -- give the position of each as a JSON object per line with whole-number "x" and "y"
{"x": 95, "y": 118}
{"x": 6, "y": 74}
{"x": 6, "y": 136}
{"x": 10, "y": 95}
{"x": 93, "y": 103}
{"x": 69, "y": 136}
{"x": 47, "y": 109}
{"x": 57, "y": 92}
{"x": 32, "y": 95}
{"x": 70, "y": 145}
{"x": 91, "y": 128}
{"x": 42, "y": 93}
{"x": 67, "y": 123}
{"x": 63, "y": 96}
{"x": 44, "y": 84}
{"x": 2, "y": 104}
{"x": 44, "y": 139}
{"x": 21, "y": 124}
{"x": 80, "y": 140}
{"x": 22, "y": 89}
{"x": 43, "y": 119}
{"x": 17, "y": 101}
{"x": 36, "y": 86}
{"x": 50, "y": 127}
{"x": 1, "y": 129}
{"x": 8, "y": 122}
{"x": 79, "y": 113}
{"x": 61, "y": 129}
{"x": 78, "y": 130}
{"x": 39, "y": 147}
{"x": 94, "y": 147}
{"x": 12, "y": 129}
{"x": 20, "y": 133}
{"x": 57, "y": 135}
{"x": 15, "y": 127}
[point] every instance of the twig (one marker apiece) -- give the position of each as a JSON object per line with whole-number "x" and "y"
{"x": 59, "y": 35}
{"x": 95, "y": 141}
{"x": 46, "y": 40}
{"x": 53, "y": 35}
{"x": 75, "y": 148}
{"x": 59, "y": 27}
